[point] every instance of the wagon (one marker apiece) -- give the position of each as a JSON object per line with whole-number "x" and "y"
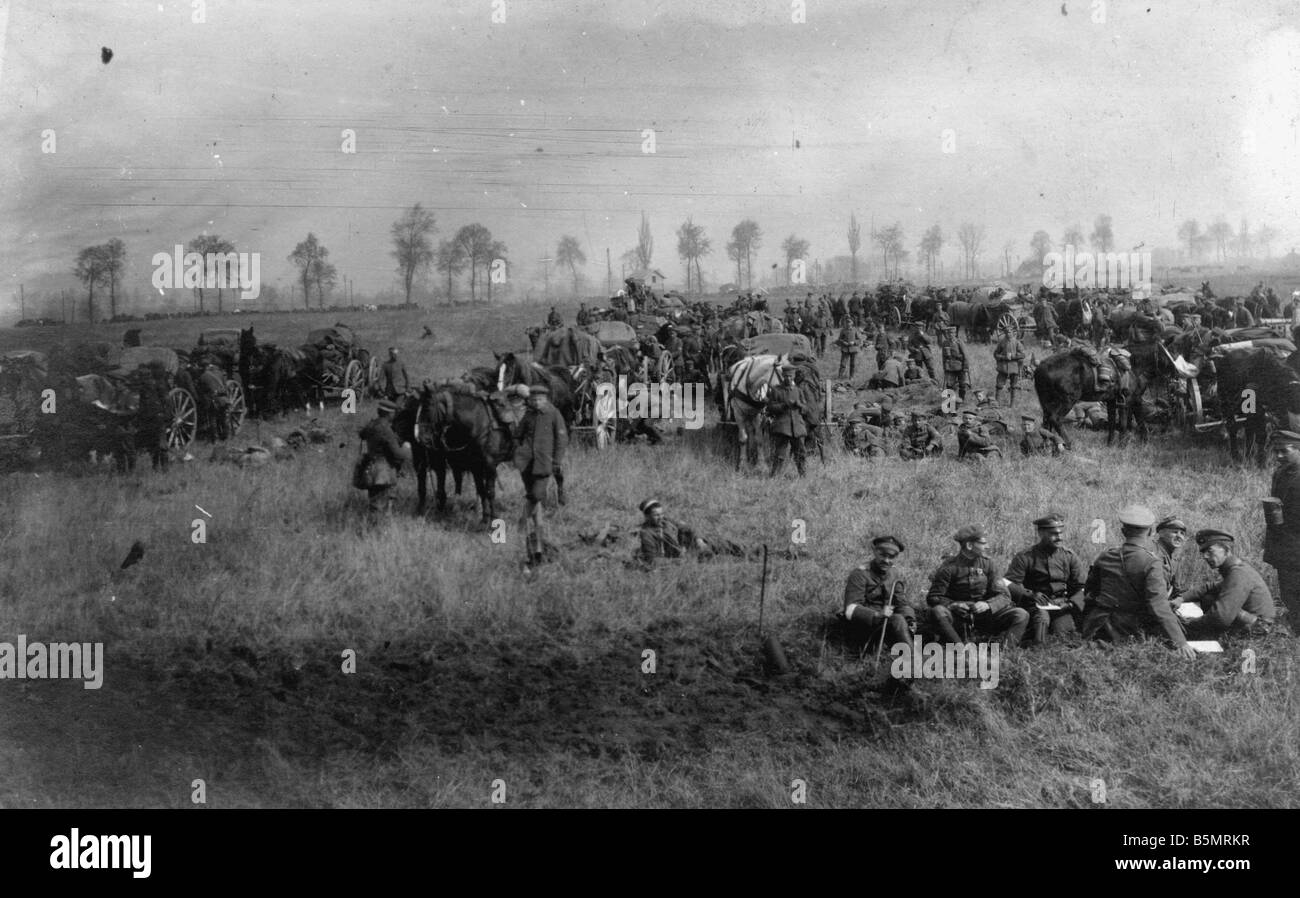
{"x": 354, "y": 368}
{"x": 1192, "y": 394}
{"x": 580, "y": 351}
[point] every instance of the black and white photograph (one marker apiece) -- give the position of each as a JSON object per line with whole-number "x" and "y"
{"x": 653, "y": 404}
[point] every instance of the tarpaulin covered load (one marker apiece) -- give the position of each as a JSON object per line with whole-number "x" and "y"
{"x": 220, "y": 337}
{"x": 777, "y": 344}
{"x": 108, "y": 394}
{"x": 613, "y": 333}
{"x": 1164, "y": 300}
{"x": 75, "y": 359}
{"x": 25, "y": 363}
{"x": 569, "y": 347}
{"x": 135, "y": 356}
{"x": 340, "y": 334}
{"x": 646, "y": 325}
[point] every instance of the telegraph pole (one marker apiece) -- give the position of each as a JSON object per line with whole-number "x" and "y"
{"x": 22, "y": 302}
{"x": 609, "y": 273}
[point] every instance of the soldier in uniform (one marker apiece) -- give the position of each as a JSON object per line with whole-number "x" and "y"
{"x": 882, "y": 347}
{"x": 918, "y": 350}
{"x": 1171, "y": 533}
{"x": 912, "y": 374}
{"x": 391, "y": 371}
{"x": 956, "y": 369}
{"x": 1038, "y": 441}
{"x": 583, "y": 315}
{"x": 973, "y": 438}
{"x": 849, "y": 341}
{"x": 855, "y": 307}
{"x": 1128, "y": 589}
{"x": 890, "y": 375}
{"x": 1049, "y": 574}
{"x": 861, "y": 437}
{"x": 1240, "y": 602}
{"x": 1282, "y": 525}
{"x": 659, "y": 536}
{"x": 875, "y": 598}
{"x": 967, "y": 590}
{"x": 788, "y": 429}
{"x": 539, "y": 454}
{"x": 155, "y": 414}
{"x": 920, "y": 440}
{"x": 1010, "y": 356}
{"x": 216, "y": 402}
{"x": 553, "y": 319}
{"x": 384, "y": 456}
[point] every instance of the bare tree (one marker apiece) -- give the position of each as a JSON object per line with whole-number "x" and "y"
{"x": 212, "y": 249}
{"x": 569, "y": 254}
{"x": 92, "y": 270}
{"x": 691, "y": 245}
{"x": 451, "y": 261}
{"x": 929, "y": 248}
{"x": 1041, "y": 244}
{"x": 1189, "y": 232}
{"x": 855, "y": 243}
{"x": 1073, "y": 237}
{"x": 1245, "y": 245}
{"x": 746, "y": 238}
{"x": 794, "y": 248}
{"x": 1220, "y": 233}
{"x": 645, "y": 243}
{"x": 1103, "y": 236}
{"x": 497, "y": 253}
{"x": 411, "y": 247}
{"x": 308, "y": 256}
{"x": 970, "y": 236}
{"x": 114, "y": 261}
{"x": 475, "y": 243}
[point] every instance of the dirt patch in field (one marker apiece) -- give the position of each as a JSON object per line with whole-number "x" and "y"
{"x": 596, "y": 698}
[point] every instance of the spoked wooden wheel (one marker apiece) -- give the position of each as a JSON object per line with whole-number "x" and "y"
{"x": 184, "y": 424}
{"x": 372, "y": 376}
{"x": 354, "y": 377}
{"x": 238, "y": 407}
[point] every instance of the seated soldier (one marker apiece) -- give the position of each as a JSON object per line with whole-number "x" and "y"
{"x": 861, "y": 437}
{"x": 1048, "y": 574}
{"x": 875, "y": 600}
{"x": 920, "y": 440}
{"x": 967, "y": 592}
{"x": 1240, "y": 602}
{"x": 661, "y": 537}
{"x": 983, "y": 402}
{"x": 1090, "y": 415}
{"x": 912, "y": 374}
{"x": 890, "y": 375}
{"x": 974, "y": 439}
{"x": 1038, "y": 440}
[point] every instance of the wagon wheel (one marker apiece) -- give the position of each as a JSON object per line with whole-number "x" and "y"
{"x": 184, "y": 425}
{"x": 604, "y": 418}
{"x": 354, "y": 377}
{"x": 372, "y": 374}
{"x": 238, "y": 408}
{"x": 895, "y": 316}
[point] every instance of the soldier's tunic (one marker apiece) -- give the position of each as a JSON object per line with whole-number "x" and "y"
{"x": 920, "y": 440}
{"x": 153, "y": 419}
{"x": 385, "y": 456}
{"x": 973, "y": 440}
{"x": 661, "y": 541}
{"x": 849, "y": 341}
{"x": 891, "y": 374}
{"x": 1282, "y": 542}
{"x": 788, "y": 429}
{"x": 1131, "y": 595}
{"x": 956, "y": 369}
{"x": 961, "y": 579}
{"x": 539, "y": 452}
{"x": 391, "y": 371}
{"x": 1056, "y": 574}
{"x": 1010, "y": 356}
{"x": 868, "y": 589}
{"x": 216, "y": 403}
{"x": 1242, "y": 589}
{"x": 1171, "y": 571}
{"x": 882, "y": 348}
{"x": 1039, "y": 443}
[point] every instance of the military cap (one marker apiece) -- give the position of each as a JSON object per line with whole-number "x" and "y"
{"x": 970, "y": 411}
{"x": 786, "y": 367}
{"x": 969, "y": 533}
{"x": 1030, "y": 418}
{"x": 888, "y": 541}
{"x": 1206, "y": 538}
{"x": 1137, "y": 516}
{"x": 387, "y": 406}
{"x": 648, "y": 504}
{"x": 520, "y": 390}
{"x": 1171, "y": 522}
{"x": 1050, "y": 521}
{"x": 535, "y": 389}
{"x": 917, "y": 413}
{"x": 1285, "y": 436}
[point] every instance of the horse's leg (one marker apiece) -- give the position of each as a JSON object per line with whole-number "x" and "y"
{"x": 421, "y": 461}
{"x": 489, "y": 493}
{"x": 440, "y": 470}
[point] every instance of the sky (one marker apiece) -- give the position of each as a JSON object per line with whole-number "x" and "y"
{"x": 1015, "y": 115}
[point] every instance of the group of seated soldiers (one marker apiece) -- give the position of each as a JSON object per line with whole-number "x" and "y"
{"x": 868, "y": 429}
{"x": 1130, "y": 590}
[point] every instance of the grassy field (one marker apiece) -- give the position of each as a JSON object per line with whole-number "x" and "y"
{"x": 224, "y": 659}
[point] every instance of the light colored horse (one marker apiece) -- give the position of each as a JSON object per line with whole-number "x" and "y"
{"x": 748, "y": 383}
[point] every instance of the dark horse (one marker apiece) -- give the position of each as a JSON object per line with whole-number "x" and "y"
{"x": 511, "y": 370}
{"x": 447, "y": 427}
{"x": 274, "y": 380}
{"x": 1255, "y": 383}
{"x": 1067, "y": 378}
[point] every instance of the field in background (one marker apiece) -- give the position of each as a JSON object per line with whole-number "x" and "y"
{"x": 223, "y": 659}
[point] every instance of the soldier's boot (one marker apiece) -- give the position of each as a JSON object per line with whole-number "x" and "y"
{"x": 801, "y": 465}
{"x": 997, "y": 396}
{"x": 1013, "y": 391}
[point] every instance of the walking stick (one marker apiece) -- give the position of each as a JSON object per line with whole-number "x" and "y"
{"x": 884, "y": 625}
{"x": 762, "y": 593}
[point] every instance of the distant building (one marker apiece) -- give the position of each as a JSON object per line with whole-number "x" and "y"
{"x": 652, "y": 278}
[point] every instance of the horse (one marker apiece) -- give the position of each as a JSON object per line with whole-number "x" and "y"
{"x": 749, "y": 380}
{"x": 460, "y": 429}
{"x": 1256, "y": 383}
{"x": 510, "y": 370}
{"x": 274, "y": 380}
{"x": 1067, "y": 378}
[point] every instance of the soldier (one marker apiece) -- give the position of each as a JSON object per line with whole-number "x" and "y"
{"x": 911, "y": 374}
{"x": 855, "y": 306}
{"x": 539, "y": 454}
{"x": 967, "y": 590}
{"x": 1127, "y": 586}
{"x": 956, "y": 370}
{"x": 983, "y": 402}
{"x": 659, "y": 536}
{"x": 920, "y": 440}
{"x": 1047, "y": 326}
{"x": 1038, "y": 441}
{"x": 849, "y": 341}
{"x": 1047, "y": 581}
{"x": 1240, "y": 601}
{"x": 861, "y": 437}
{"x": 824, "y": 325}
{"x": 875, "y": 600}
{"x": 1171, "y": 533}
{"x": 918, "y": 349}
{"x": 883, "y": 346}
{"x": 890, "y": 375}
{"x": 553, "y": 319}
{"x": 216, "y": 402}
{"x": 383, "y": 459}
{"x": 973, "y": 438}
{"x": 788, "y": 429}
{"x": 583, "y": 315}
{"x": 391, "y": 371}
{"x": 1010, "y": 356}
{"x": 155, "y": 414}
{"x": 1282, "y": 523}
{"x": 839, "y": 311}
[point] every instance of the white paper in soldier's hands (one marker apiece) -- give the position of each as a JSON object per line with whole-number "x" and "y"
{"x": 1050, "y": 607}
{"x": 1189, "y": 611}
{"x": 1206, "y": 646}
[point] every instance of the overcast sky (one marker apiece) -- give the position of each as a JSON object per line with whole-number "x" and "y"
{"x": 533, "y": 126}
